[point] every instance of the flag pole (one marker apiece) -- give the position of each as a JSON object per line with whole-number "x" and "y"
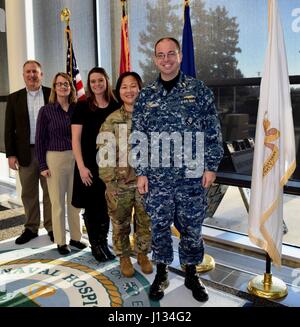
{"x": 65, "y": 15}
{"x": 188, "y": 67}
{"x": 267, "y": 286}
{"x": 268, "y": 263}
{"x": 71, "y": 64}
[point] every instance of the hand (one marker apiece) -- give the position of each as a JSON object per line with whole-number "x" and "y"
{"x": 208, "y": 178}
{"x": 86, "y": 176}
{"x": 46, "y": 173}
{"x": 142, "y": 184}
{"x": 13, "y": 163}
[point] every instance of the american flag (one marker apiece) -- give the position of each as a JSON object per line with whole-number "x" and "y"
{"x": 72, "y": 68}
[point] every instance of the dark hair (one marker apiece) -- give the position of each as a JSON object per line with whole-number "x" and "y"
{"x": 108, "y": 95}
{"x": 120, "y": 80}
{"x": 167, "y": 38}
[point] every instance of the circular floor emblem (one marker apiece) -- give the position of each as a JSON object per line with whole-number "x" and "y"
{"x": 58, "y": 283}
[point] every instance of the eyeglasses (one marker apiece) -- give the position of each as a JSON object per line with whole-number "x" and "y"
{"x": 60, "y": 84}
{"x": 170, "y": 54}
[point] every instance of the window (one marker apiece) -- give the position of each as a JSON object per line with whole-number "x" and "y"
{"x": 50, "y": 42}
{"x": 4, "y": 85}
{"x": 230, "y": 39}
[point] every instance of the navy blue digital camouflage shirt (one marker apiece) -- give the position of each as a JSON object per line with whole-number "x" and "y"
{"x": 166, "y": 126}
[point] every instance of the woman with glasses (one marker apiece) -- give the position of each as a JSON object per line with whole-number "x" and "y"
{"x": 89, "y": 189}
{"x": 56, "y": 160}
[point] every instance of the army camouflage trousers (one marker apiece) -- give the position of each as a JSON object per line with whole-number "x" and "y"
{"x": 121, "y": 203}
{"x": 182, "y": 202}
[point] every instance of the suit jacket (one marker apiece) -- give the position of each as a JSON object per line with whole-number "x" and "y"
{"x": 17, "y": 126}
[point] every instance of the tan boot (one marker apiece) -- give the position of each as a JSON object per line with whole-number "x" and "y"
{"x": 126, "y": 267}
{"x": 145, "y": 263}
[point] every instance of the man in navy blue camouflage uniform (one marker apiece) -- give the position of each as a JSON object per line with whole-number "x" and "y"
{"x": 176, "y": 193}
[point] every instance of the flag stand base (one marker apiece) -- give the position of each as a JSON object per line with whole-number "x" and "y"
{"x": 207, "y": 264}
{"x": 267, "y": 287}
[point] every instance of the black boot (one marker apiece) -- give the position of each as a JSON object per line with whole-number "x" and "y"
{"x": 193, "y": 283}
{"x": 98, "y": 252}
{"x": 106, "y": 250}
{"x": 103, "y": 232}
{"x": 160, "y": 283}
{"x": 93, "y": 235}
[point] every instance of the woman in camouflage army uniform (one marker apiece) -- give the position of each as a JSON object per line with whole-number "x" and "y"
{"x": 121, "y": 192}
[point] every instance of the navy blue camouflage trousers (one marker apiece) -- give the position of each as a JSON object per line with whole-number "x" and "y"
{"x": 182, "y": 202}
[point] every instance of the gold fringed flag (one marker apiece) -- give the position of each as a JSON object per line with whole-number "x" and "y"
{"x": 274, "y": 154}
{"x": 72, "y": 68}
{"x": 125, "y": 53}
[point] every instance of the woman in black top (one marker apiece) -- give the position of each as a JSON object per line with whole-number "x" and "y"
{"x": 89, "y": 189}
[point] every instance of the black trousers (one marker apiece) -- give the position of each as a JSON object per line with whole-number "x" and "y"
{"x": 96, "y": 221}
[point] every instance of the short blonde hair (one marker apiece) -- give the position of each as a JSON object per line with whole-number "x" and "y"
{"x": 53, "y": 95}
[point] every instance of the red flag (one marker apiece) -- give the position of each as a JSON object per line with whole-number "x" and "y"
{"x": 125, "y": 54}
{"x": 72, "y": 68}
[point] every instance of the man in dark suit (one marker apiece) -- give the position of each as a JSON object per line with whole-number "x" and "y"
{"x": 20, "y": 123}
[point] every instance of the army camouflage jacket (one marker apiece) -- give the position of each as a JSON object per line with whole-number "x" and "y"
{"x": 188, "y": 107}
{"x": 118, "y": 175}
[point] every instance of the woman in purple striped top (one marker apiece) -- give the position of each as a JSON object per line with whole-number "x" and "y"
{"x": 56, "y": 160}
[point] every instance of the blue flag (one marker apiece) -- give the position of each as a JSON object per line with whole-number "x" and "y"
{"x": 188, "y": 60}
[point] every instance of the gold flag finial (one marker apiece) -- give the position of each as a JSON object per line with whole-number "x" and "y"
{"x": 65, "y": 15}
{"x": 270, "y": 4}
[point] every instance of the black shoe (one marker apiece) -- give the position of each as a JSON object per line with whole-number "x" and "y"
{"x": 51, "y": 236}
{"x": 63, "y": 249}
{"x": 193, "y": 283}
{"x": 77, "y": 244}
{"x": 26, "y": 236}
{"x": 107, "y": 251}
{"x": 98, "y": 253}
{"x": 160, "y": 283}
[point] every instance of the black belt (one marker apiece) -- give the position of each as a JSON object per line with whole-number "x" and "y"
{"x": 32, "y": 145}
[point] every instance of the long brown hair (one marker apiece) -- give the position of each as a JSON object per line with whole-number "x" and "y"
{"x": 53, "y": 95}
{"x": 108, "y": 94}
